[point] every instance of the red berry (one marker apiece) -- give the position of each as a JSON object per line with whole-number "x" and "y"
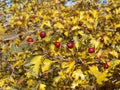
{"x": 70, "y": 44}
{"x": 75, "y": 14}
{"x": 30, "y": 39}
{"x": 80, "y": 23}
{"x": 57, "y": 44}
{"x": 44, "y": 74}
{"x": 102, "y": 39}
{"x": 22, "y": 82}
{"x": 106, "y": 65}
{"x": 91, "y": 50}
{"x": 42, "y": 34}
{"x": 34, "y": 16}
{"x": 89, "y": 29}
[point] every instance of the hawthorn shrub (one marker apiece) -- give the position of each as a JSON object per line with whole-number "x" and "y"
{"x": 45, "y": 45}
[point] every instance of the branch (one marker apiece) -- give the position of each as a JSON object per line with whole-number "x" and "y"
{"x": 55, "y": 57}
{"x": 16, "y": 36}
{"x": 110, "y": 30}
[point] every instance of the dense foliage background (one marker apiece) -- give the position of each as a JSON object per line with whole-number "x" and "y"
{"x": 45, "y": 45}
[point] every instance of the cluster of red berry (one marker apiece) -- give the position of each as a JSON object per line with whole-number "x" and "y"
{"x": 69, "y": 44}
{"x": 57, "y": 44}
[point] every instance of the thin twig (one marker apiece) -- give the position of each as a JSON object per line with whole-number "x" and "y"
{"x": 16, "y": 36}
{"x": 55, "y": 57}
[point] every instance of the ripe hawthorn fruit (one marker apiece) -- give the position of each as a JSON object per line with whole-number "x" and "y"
{"x": 101, "y": 39}
{"x": 70, "y": 44}
{"x": 106, "y": 65}
{"x": 75, "y": 14}
{"x": 44, "y": 74}
{"x": 30, "y": 40}
{"x": 42, "y": 34}
{"x": 80, "y": 23}
{"x": 91, "y": 50}
{"x": 89, "y": 30}
{"x": 57, "y": 44}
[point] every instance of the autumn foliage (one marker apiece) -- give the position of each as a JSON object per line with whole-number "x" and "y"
{"x": 45, "y": 45}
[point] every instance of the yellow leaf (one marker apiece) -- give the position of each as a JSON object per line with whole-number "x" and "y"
{"x": 2, "y": 31}
{"x": 30, "y": 82}
{"x": 2, "y": 82}
{"x": 75, "y": 27}
{"x": 74, "y": 84}
{"x": 39, "y": 13}
{"x": 42, "y": 86}
{"x": 36, "y": 61}
{"x": 66, "y": 33}
{"x": 7, "y": 88}
{"x": 117, "y": 26}
{"x": 88, "y": 24}
{"x": 95, "y": 43}
{"x": 95, "y": 13}
{"x": 71, "y": 66}
{"x": 106, "y": 39}
{"x": 18, "y": 63}
{"x": 114, "y": 53}
{"x": 4, "y": 48}
{"x": 108, "y": 16}
{"x": 81, "y": 15}
{"x": 52, "y": 48}
{"x": 72, "y": 51}
{"x": 81, "y": 33}
{"x": 47, "y": 38}
{"x": 65, "y": 65}
{"x": 19, "y": 23}
{"x": 100, "y": 76}
{"x": 58, "y": 25}
{"x": 75, "y": 21}
{"x": 57, "y": 79}
{"x": 99, "y": 54}
{"x": 108, "y": 9}
{"x": 46, "y": 65}
{"x": 77, "y": 74}
{"x": 113, "y": 63}
{"x": 60, "y": 39}
{"x": 47, "y": 23}
{"x": 95, "y": 24}
{"x": 75, "y": 38}
{"x": 28, "y": 74}
{"x": 61, "y": 74}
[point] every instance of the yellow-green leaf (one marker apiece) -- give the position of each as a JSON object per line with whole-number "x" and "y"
{"x": 75, "y": 38}
{"x": 75, "y": 27}
{"x": 36, "y": 61}
{"x": 58, "y": 25}
{"x": 2, "y": 31}
{"x": 100, "y": 76}
{"x": 114, "y": 53}
{"x": 46, "y": 65}
{"x": 77, "y": 74}
{"x": 42, "y": 86}
{"x": 66, "y": 33}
